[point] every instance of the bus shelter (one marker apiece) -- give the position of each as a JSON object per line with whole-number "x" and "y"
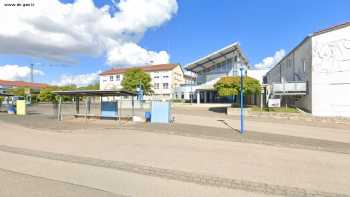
{"x": 108, "y": 109}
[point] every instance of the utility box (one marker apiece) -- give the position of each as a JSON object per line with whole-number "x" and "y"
{"x": 161, "y": 112}
{"x": 21, "y": 108}
{"x": 109, "y": 109}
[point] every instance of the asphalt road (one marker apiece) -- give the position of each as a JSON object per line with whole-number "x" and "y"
{"x": 13, "y": 184}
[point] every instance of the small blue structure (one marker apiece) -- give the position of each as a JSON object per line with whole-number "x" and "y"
{"x": 148, "y": 116}
{"x": 109, "y": 109}
{"x": 161, "y": 112}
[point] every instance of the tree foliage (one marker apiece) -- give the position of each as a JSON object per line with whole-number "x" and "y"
{"x": 133, "y": 77}
{"x": 231, "y": 86}
{"x": 47, "y": 95}
{"x": 18, "y": 91}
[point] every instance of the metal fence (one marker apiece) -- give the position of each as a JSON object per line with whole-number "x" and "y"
{"x": 69, "y": 108}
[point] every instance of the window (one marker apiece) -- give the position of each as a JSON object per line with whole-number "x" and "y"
{"x": 156, "y": 86}
{"x": 117, "y": 77}
{"x": 165, "y": 85}
{"x": 156, "y": 77}
{"x": 111, "y": 78}
{"x": 166, "y": 76}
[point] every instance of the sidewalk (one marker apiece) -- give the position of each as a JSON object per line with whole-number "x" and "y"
{"x": 340, "y": 135}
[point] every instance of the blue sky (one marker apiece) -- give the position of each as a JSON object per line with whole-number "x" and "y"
{"x": 202, "y": 26}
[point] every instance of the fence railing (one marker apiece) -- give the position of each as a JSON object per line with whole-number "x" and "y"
{"x": 297, "y": 88}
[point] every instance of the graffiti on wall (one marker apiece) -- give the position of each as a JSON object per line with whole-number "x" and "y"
{"x": 332, "y": 56}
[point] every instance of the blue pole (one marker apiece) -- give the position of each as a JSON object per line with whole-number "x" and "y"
{"x": 242, "y": 125}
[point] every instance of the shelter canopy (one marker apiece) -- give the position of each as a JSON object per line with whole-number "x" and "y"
{"x": 4, "y": 94}
{"x": 218, "y": 56}
{"x": 95, "y": 93}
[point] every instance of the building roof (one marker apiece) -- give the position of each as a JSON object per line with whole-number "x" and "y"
{"x": 322, "y": 31}
{"x": 7, "y": 83}
{"x": 331, "y": 28}
{"x": 219, "y": 55}
{"x": 95, "y": 93}
{"x": 151, "y": 68}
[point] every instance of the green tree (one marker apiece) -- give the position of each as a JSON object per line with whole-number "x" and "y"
{"x": 95, "y": 86}
{"x": 231, "y": 86}
{"x": 134, "y": 77}
{"x": 47, "y": 95}
{"x": 18, "y": 91}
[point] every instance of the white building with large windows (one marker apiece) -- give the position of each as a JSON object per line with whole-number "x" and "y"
{"x": 165, "y": 78}
{"x": 315, "y": 76}
{"x": 209, "y": 70}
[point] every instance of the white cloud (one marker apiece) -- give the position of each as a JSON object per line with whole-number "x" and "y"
{"x": 269, "y": 62}
{"x": 60, "y": 31}
{"x": 134, "y": 55}
{"x": 78, "y": 80}
{"x": 16, "y": 72}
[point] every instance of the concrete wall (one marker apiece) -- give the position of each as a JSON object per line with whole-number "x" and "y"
{"x": 295, "y": 67}
{"x": 302, "y": 71}
{"x": 331, "y": 73}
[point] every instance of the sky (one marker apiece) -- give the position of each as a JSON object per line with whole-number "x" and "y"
{"x": 72, "y": 41}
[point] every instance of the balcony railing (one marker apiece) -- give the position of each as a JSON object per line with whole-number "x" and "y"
{"x": 289, "y": 88}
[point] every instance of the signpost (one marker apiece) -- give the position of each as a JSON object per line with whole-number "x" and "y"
{"x": 274, "y": 103}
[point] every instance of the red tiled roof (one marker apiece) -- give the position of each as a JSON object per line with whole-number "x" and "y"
{"x": 22, "y": 84}
{"x": 152, "y": 68}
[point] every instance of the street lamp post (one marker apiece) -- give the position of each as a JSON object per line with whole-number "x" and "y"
{"x": 242, "y": 102}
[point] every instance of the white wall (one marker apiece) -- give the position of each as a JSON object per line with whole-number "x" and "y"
{"x": 160, "y": 77}
{"x": 331, "y": 73}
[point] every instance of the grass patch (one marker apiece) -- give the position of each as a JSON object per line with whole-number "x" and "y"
{"x": 278, "y": 109}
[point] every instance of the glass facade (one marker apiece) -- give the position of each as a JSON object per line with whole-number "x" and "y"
{"x": 225, "y": 68}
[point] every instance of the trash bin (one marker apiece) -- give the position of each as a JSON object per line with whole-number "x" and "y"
{"x": 11, "y": 109}
{"x": 148, "y": 116}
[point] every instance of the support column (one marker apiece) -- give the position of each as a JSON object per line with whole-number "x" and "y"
{"x": 261, "y": 101}
{"x": 133, "y": 106}
{"x": 101, "y": 100}
{"x": 211, "y": 97}
{"x": 198, "y": 97}
{"x": 205, "y": 97}
{"x": 86, "y": 107}
{"x": 89, "y": 104}
{"x": 77, "y": 105}
{"x": 59, "y": 112}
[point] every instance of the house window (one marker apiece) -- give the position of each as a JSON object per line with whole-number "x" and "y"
{"x": 117, "y": 77}
{"x": 165, "y": 85}
{"x": 111, "y": 78}
{"x": 156, "y": 86}
{"x": 166, "y": 76}
{"x": 156, "y": 77}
